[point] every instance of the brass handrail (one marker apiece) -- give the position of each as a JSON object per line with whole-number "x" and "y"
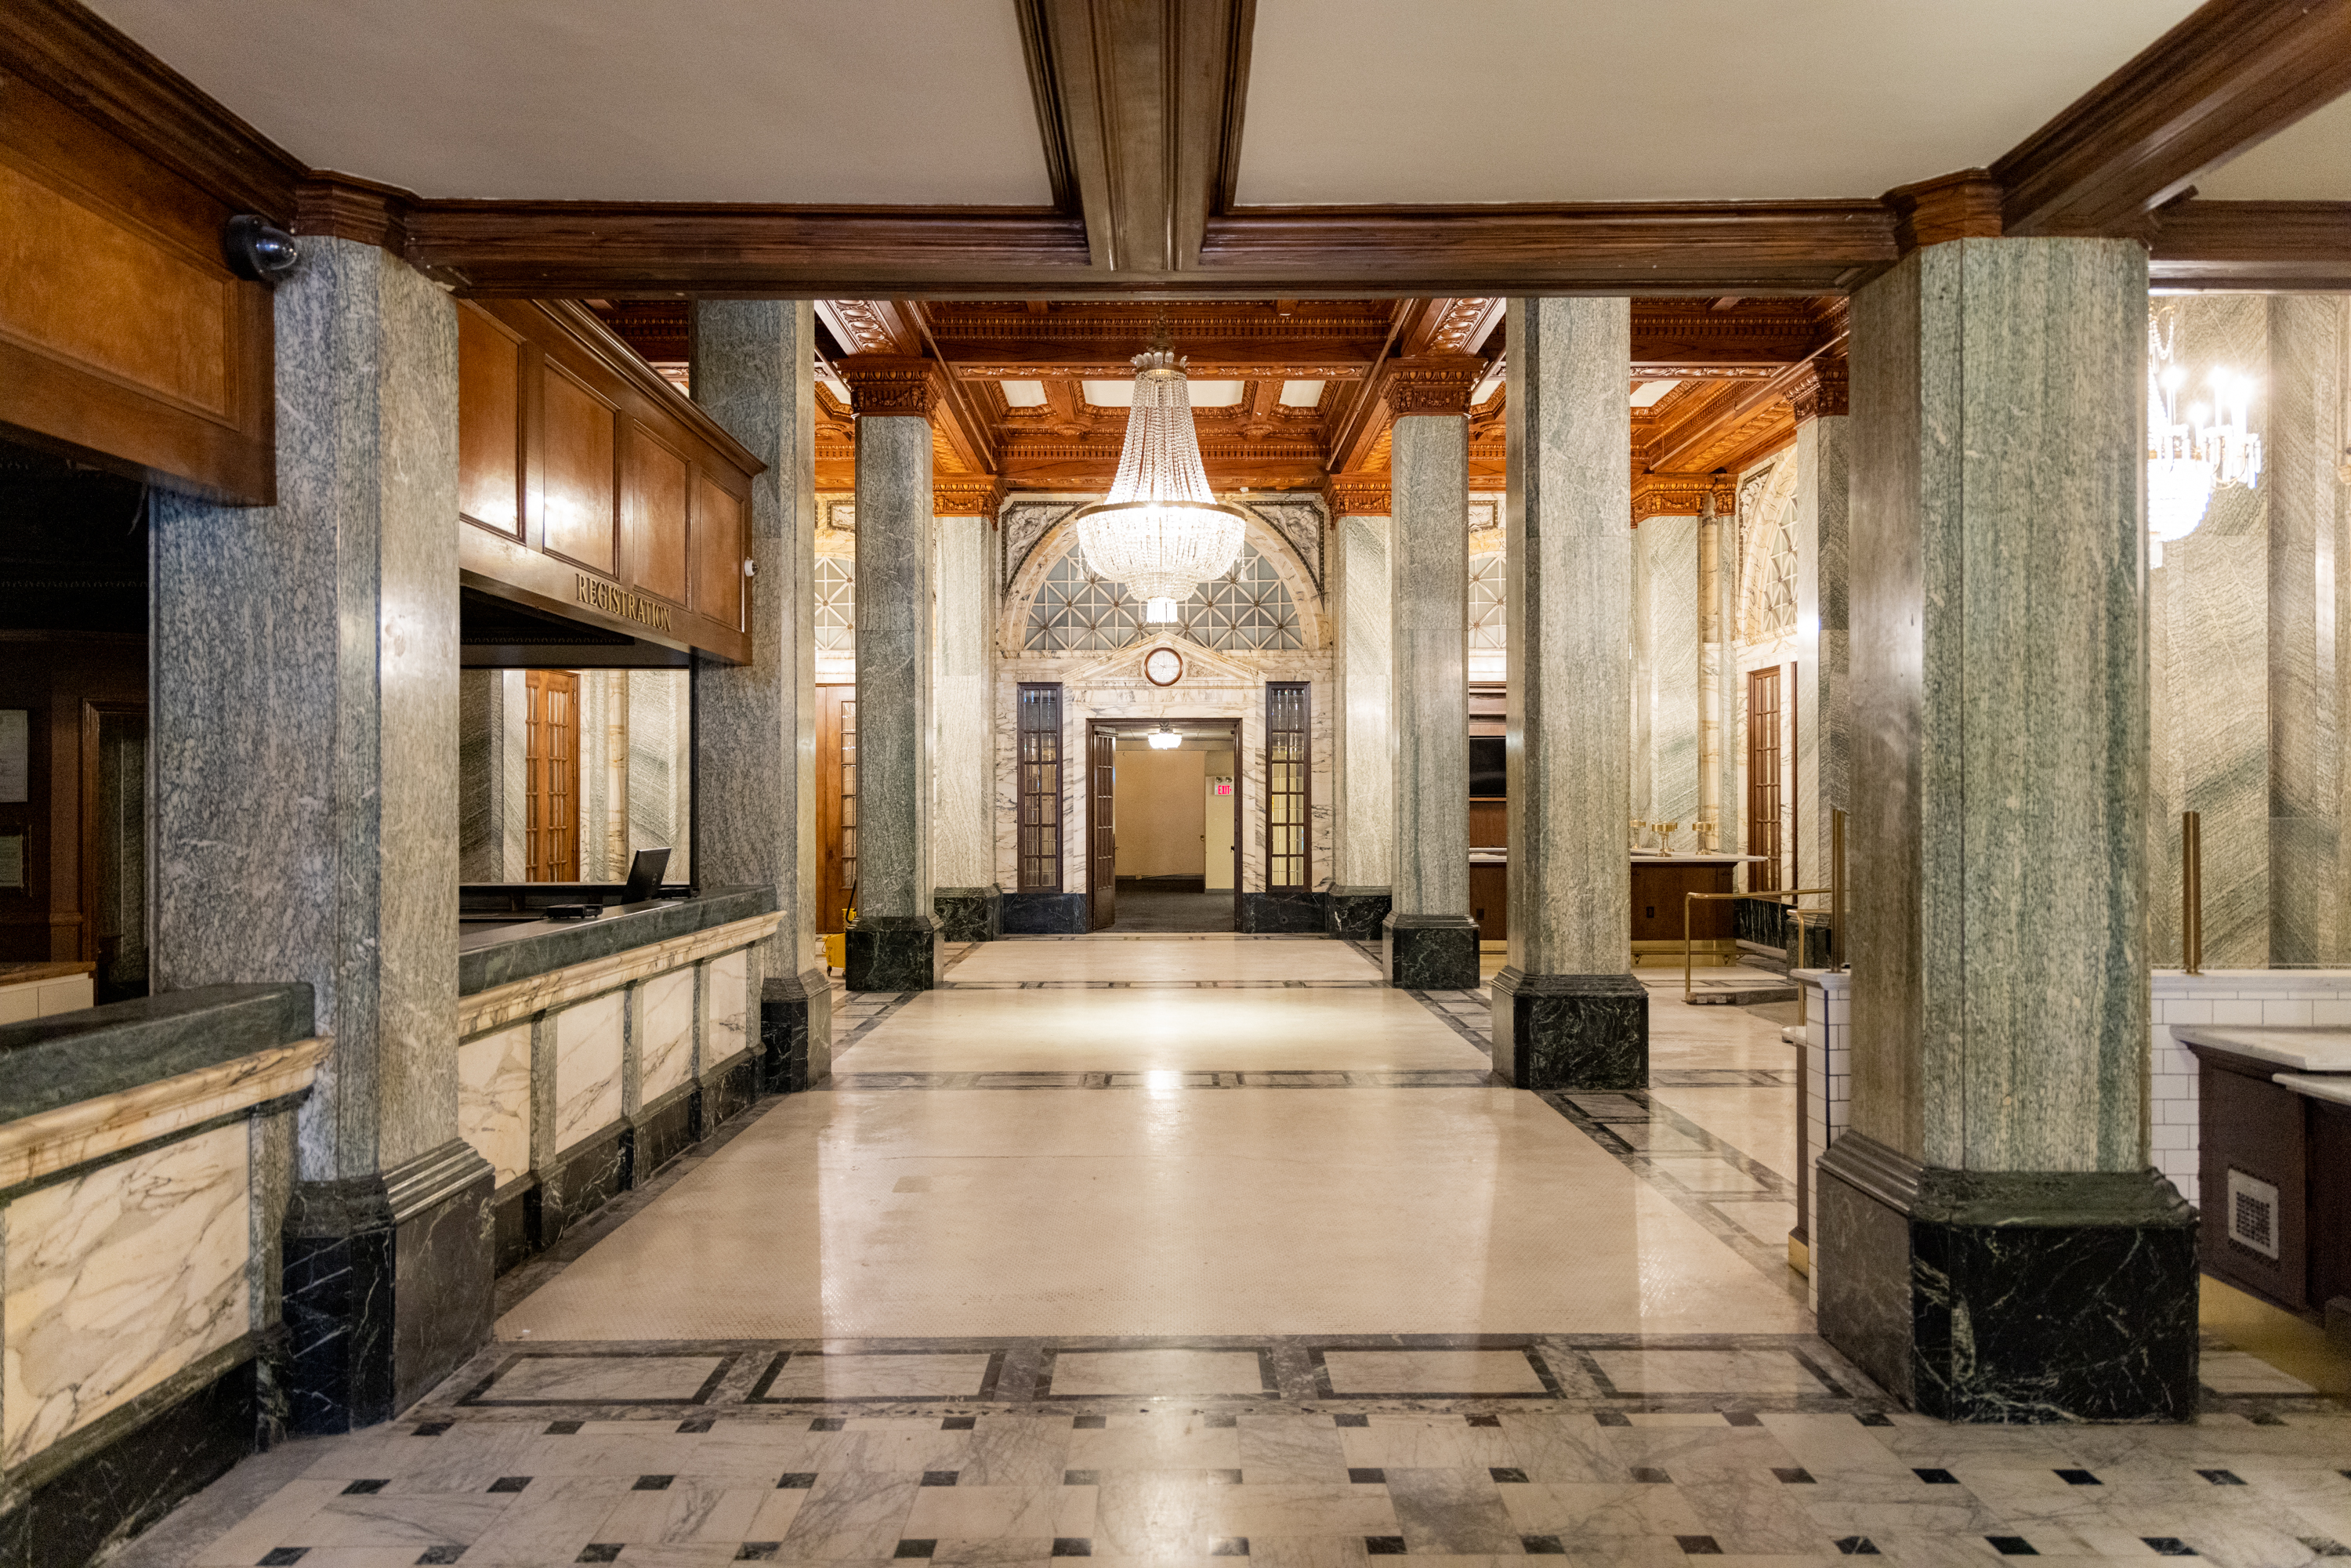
{"x": 1787, "y": 894}
{"x": 2191, "y": 892}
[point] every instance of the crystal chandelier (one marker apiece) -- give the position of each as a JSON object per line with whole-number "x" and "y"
{"x": 1164, "y": 739}
{"x": 1161, "y": 532}
{"x": 2188, "y": 458}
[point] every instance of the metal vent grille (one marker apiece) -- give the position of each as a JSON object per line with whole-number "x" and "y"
{"x": 2253, "y": 1214}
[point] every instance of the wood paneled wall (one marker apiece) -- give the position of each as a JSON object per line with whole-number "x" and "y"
{"x": 589, "y": 485}
{"x": 124, "y": 339}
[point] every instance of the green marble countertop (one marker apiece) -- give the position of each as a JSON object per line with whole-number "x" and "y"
{"x": 498, "y": 955}
{"x": 94, "y": 1051}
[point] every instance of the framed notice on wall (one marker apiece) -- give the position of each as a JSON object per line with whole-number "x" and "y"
{"x": 12, "y": 860}
{"x": 16, "y": 755}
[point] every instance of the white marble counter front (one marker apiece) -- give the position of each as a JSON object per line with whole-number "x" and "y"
{"x": 2334, "y": 1088}
{"x": 2296, "y": 1049}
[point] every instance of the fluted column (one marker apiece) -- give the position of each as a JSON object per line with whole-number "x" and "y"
{"x": 1363, "y": 827}
{"x": 966, "y": 898}
{"x": 304, "y": 745}
{"x": 1990, "y": 1240}
{"x": 1429, "y": 941}
{"x": 1568, "y": 1013}
{"x": 755, "y": 723}
{"x": 893, "y": 942}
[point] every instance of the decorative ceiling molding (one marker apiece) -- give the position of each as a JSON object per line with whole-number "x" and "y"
{"x": 1356, "y": 494}
{"x": 2251, "y": 245}
{"x": 1433, "y": 383}
{"x": 1965, "y": 205}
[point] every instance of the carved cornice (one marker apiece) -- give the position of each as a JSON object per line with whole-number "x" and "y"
{"x": 1674, "y": 494}
{"x": 1431, "y": 383}
{"x": 1356, "y": 494}
{"x": 890, "y": 383}
{"x": 1965, "y": 205}
{"x": 961, "y": 497}
{"x": 343, "y": 206}
{"x": 1818, "y": 387}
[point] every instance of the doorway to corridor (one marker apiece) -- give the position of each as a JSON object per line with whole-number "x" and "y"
{"x": 1163, "y": 844}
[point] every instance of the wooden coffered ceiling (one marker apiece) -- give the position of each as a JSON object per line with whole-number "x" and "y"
{"x": 1716, "y": 383}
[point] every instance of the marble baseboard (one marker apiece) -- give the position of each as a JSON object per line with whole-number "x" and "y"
{"x": 1289, "y": 912}
{"x": 138, "y": 1472}
{"x": 1571, "y": 1031}
{"x": 2009, "y": 1297}
{"x": 728, "y": 1092}
{"x": 388, "y": 1286}
{"x": 969, "y": 913}
{"x": 1043, "y": 914}
{"x": 795, "y": 1030}
{"x": 1354, "y": 914}
{"x": 892, "y": 952}
{"x": 664, "y": 1131}
{"x": 1429, "y": 952}
{"x": 588, "y": 1176}
{"x": 514, "y": 1221}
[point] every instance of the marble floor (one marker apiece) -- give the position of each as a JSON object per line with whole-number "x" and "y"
{"x": 1172, "y": 1248}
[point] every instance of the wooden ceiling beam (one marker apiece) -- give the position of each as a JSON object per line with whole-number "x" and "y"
{"x": 2229, "y": 75}
{"x": 1139, "y": 102}
{"x": 2252, "y": 244}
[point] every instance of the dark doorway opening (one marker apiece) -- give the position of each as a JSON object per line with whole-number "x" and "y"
{"x": 1163, "y": 828}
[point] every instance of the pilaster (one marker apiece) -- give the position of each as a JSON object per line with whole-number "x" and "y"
{"x": 304, "y": 738}
{"x": 1568, "y": 1013}
{"x": 1824, "y": 652}
{"x": 1362, "y": 829}
{"x": 755, "y": 723}
{"x": 1991, "y": 1243}
{"x": 892, "y": 945}
{"x": 1429, "y": 941}
{"x": 966, "y": 898}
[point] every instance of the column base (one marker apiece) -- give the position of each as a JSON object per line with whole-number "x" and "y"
{"x": 1354, "y": 914}
{"x": 1429, "y": 952}
{"x": 388, "y": 1286}
{"x": 969, "y": 913}
{"x": 892, "y": 952}
{"x": 1287, "y": 911}
{"x": 1042, "y": 914}
{"x": 2009, "y": 1296}
{"x": 795, "y": 1031}
{"x": 1571, "y": 1031}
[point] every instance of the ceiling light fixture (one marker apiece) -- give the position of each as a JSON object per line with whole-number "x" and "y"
{"x": 1164, "y": 739}
{"x": 2188, "y": 458}
{"x": 1162, "y": 532}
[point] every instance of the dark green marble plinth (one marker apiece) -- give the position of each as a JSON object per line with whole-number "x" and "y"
{"x": 1282, "y": 912}
{"x": 1571, "y": 1031}
{"x": 1354, "y": 913}
{"x": 892, "y": 952}
{"x": 969, "y": 913}
{"x": 1430, "y": 952}
{"x": 2006, "y": 1296}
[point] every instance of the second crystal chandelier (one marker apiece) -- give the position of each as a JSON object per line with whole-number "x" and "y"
{"x": 1162, "y": 532}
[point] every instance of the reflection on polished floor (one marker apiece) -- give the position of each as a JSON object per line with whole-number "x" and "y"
{"x": 1175, "y": 1248}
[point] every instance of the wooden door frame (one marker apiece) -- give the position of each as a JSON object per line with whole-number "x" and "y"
{"x": 1145, "y": 726}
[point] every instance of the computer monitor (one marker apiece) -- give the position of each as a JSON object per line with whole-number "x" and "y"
{"x": 644, "y": 875}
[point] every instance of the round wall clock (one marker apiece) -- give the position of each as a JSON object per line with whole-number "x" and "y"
{"x": 1163, "y": 667}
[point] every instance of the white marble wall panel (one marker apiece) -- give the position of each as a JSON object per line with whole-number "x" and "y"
{"x": 1669, "y": 546}
{"x": 962, "y": 848}
{"x": 1823, "y": 656}
{"x": 661, "y": 795}
{"x": 589, "y": 1044}
{"x": 118, "y": 1279}
{"x": 664, "y": 1031}
{"x": 494, "y": 1099}
{"x": 1364, "y": 764}
{"x": 726, "y": 1008}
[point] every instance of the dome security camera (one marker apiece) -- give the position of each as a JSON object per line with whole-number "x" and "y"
{"x": 258, "y": 251}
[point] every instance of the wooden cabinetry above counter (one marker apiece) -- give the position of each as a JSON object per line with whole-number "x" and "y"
{"x": 590, "y": 486}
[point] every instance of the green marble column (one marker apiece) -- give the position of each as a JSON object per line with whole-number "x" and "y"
{"x": 1991, "y": 1242}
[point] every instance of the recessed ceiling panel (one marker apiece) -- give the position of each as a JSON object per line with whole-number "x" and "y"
{"x": 1541, "y": 101}
{"x": 2309, "y": 160}
{"x": 883, "y": 101}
